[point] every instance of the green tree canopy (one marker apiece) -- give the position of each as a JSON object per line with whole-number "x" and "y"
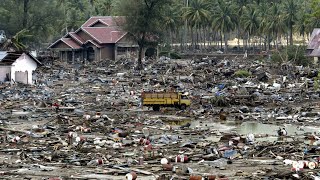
{"x": 184, "y": 21}
{"x": 144, "y": 20}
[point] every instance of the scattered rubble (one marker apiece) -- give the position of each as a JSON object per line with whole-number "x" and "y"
{"x": 89, "y": 119}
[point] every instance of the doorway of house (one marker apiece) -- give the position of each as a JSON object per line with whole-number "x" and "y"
{"x": 90, "y": 54}
{"x": 151, "y": 53}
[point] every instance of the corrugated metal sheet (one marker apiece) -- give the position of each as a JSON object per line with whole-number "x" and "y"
{"x": 315, "y": 53}
{"x": 3, "y": 54}
{"x": 314, "y": 42}
{"x": 10, "y": 57}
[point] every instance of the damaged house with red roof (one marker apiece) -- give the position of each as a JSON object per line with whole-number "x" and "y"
{"x": 99, "y": 38}
{"x": 313, "y": 48}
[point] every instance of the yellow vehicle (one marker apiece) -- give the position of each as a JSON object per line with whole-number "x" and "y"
{"x": 165, "y": 99}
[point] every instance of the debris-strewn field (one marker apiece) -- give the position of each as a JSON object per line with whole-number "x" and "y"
{"x": 248, "y": 119}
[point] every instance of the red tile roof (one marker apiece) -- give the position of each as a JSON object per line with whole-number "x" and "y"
{"x": 104, "y": 35}
{"x": 101, "y": 35}
{"x": 76, "y": 37}
{"x": 70, "y": 42}
{"x": 92, "y": 42}
{"x": 107, "y": 20}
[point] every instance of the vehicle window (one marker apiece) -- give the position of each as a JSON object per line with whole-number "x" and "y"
{"x": 184, "y": 97}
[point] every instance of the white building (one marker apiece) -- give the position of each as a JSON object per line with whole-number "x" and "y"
{"x": 17, "y": 67}
{"x": 2, "y": 36}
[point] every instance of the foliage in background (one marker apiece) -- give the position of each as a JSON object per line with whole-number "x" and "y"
{"x": 16, "y": 42}
{"x": 47, "y": 20}
{"x": 293, "y": 54}
{"x": 144, "y": 21}
{"x": 192, "y": 24}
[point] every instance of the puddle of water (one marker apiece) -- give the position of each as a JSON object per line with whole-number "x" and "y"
{"x": 270, "y": 129}
{"x": 244, "y": 128}
{"x": 213, "y": 138}
{"x": 177, "y": 122}
{"x": 226, "y": 126}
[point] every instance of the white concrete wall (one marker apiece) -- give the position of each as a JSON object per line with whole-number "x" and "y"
{"x": 24, "y": 63}
{"x": 3, "y": 71}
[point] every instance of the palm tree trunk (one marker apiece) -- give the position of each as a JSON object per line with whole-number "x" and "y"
{"x": 291, "y": 34}
{"x": 65, "y": 20}
{"x": 221, "y": 40}
{"x": 260, "y": 43}
{"x": 214, "y": 39}
{"x": 170, "y": 38}
{"x": 197, "y": 45}
{"x": 204, "y": 38}
{"x": 226, "y": 42}
{"x": 238, "y": 36}
{"x": 25, "y": 13}
{"x": 244, "y": 43}
{"x": 91, "y": 2}
{"x": 249, "y": 45}
{"x": 192, "y": 38}
{"x": 277, "y": 47}
{"x": 180, "y": 40}
{"x": 268, "y": 43}
{"x": 201, "y": 38}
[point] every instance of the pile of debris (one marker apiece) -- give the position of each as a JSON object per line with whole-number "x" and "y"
{"x": 88, "y": 118}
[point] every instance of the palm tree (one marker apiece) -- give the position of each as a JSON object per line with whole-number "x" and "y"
{"x": 274, "y": 24}
{"x": 224, "y": 19}
{"x": 250, "y": 21}
{"x": 277, "y": 22}
{"x": 291, "y": 11}
{"x": 25, "y": 13}
{"x": 302, "y": 25}
{"x": 16, "y": 42}
{"x": 103, "y": 7}
{"x": 312, "y": 22}
{"x": 173, "y": 19}
{"x": 63, "y": 3}
{"x": 263, "y": 10}
{"x": 240, "y": 7}
{"x": 197, "y": 14}
{"x": 313, "y": 15}
{"x": 92, "y": 7}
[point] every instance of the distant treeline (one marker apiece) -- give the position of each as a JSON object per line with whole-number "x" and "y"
{"x": 196, "y": 24}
